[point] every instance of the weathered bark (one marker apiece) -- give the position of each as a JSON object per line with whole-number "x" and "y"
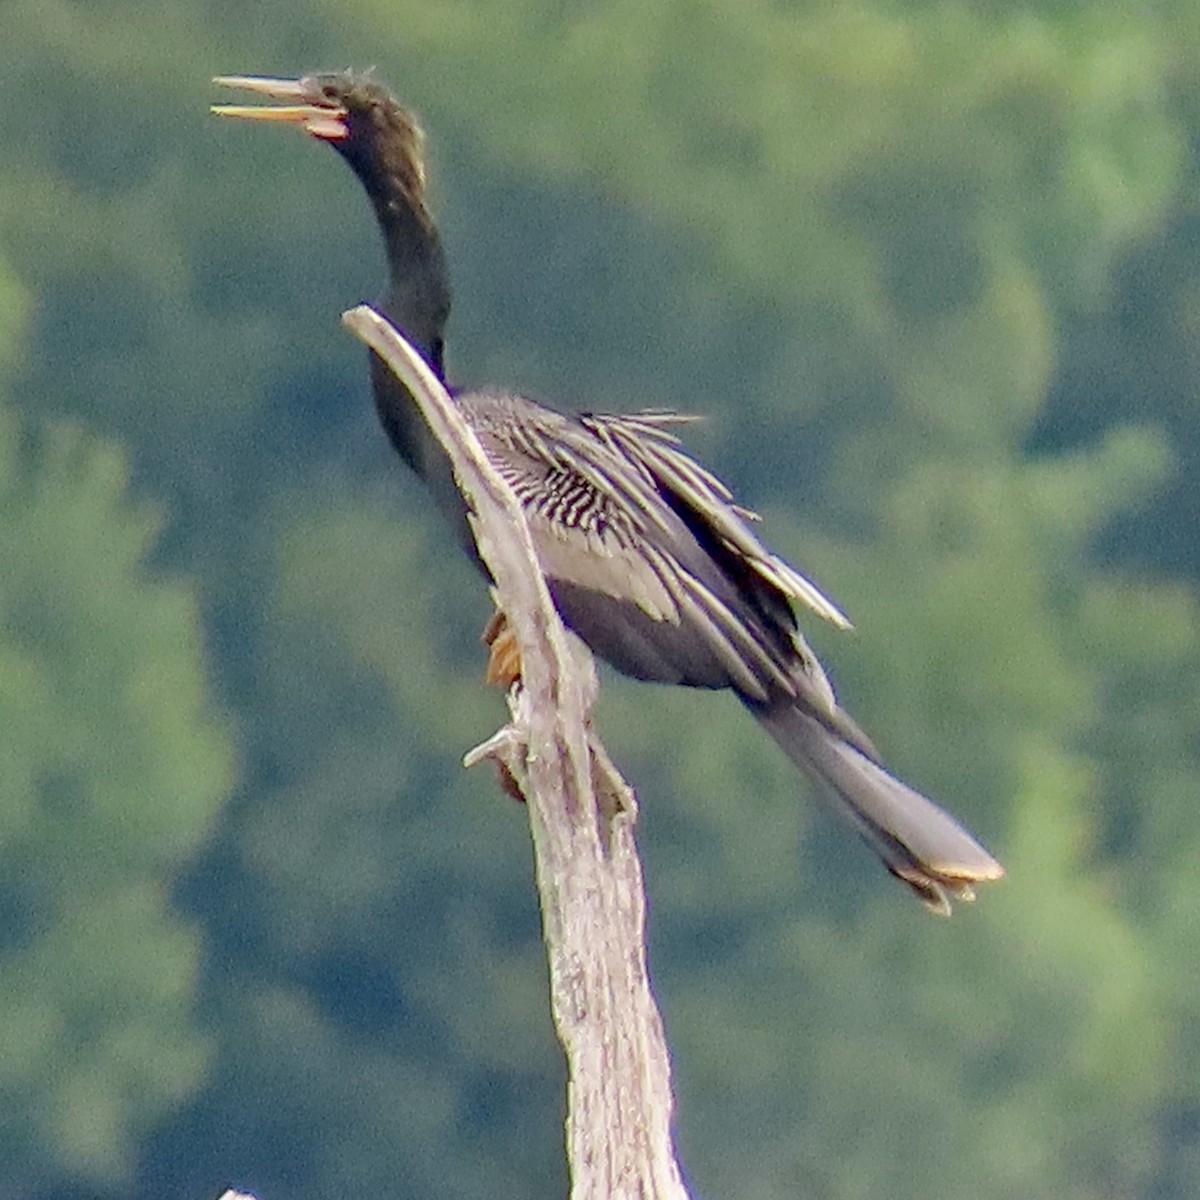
{"x": 582, "y": 815}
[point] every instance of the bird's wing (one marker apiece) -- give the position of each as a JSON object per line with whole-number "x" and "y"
{"x": 589, "y": 524}
{"x": 603, "y": 520}
{"x": 646, "y": 441}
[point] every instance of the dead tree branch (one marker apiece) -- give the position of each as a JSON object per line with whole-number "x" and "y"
{"x": 582, "y": 815}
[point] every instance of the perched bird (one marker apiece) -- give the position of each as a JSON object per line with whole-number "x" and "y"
{"x": 646, "y": 555}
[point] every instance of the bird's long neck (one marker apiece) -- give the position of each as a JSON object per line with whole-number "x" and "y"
{"x": 417, "y": 302}
{"x": 417, "y": 298}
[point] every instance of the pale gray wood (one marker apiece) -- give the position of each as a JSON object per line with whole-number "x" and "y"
{"x": 582, "y": 816}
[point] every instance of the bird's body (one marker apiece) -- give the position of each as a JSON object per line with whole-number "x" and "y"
{"x": 646, "y": 554}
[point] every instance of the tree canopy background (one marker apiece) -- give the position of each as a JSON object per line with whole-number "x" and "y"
{"x": 932, "y": 270}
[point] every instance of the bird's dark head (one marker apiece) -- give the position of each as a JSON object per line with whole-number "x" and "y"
{"x": 384, "y": 145}
{"x": 358, "y": 117}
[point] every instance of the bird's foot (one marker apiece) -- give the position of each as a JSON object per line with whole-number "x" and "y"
{"x": 504, "y": 655}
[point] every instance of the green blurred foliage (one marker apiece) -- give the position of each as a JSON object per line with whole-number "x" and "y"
{"x": 114, "y": 768}
{"x": 935, "y": 272}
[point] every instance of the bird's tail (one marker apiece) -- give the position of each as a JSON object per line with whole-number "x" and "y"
{"x": 919, "y": 843}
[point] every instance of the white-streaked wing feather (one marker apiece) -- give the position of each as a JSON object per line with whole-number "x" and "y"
{"x": 604, "y": 479}
{"x": 643, "y": 439}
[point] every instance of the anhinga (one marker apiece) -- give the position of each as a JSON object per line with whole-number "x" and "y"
{"x": 646, "y": 555}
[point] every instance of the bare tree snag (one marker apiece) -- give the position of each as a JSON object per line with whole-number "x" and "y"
{"x": 582, "y": 815}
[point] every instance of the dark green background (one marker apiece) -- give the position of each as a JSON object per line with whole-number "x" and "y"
{"x": 932, "y": 269}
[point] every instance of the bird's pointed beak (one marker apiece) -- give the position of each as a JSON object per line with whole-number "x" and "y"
{"x": 299, "y": 104}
